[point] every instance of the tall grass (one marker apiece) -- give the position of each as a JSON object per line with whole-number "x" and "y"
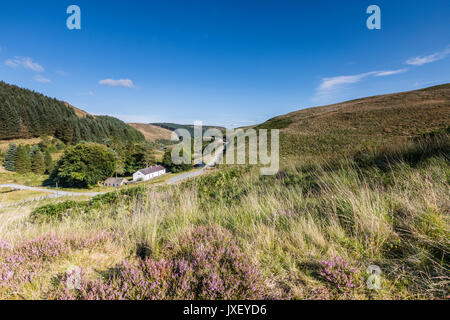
{"x": 390, "y": 209}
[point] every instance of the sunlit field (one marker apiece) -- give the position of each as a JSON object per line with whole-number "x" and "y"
{"x": 310, "y": 232}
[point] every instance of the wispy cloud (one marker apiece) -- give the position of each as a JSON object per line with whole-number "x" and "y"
{"x": 127, "y": 83}
{"x": 24, "y": 62}
{"x": 61, "y": 72}
{"x": 390, "y": 72}
{"x": 41, "y": 79}
{"x": 421, "y": 60}
{"x": 333, "y": 85}
{"x": 334, "y": 82}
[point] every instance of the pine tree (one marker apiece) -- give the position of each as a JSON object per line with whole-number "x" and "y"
{"x": 22, "y": 162}
{"x": 9, "y": 158}
{"x": 48, "y": 162}
{"x": 37, "y": 162}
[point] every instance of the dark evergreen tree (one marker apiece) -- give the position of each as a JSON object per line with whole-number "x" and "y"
{"x": 48, "y": 162}
{"x": 26, "y": 114}
{"x": 37, "y": 162}
{"x": 9, "y": 157}
{"x": 22, "y": 161}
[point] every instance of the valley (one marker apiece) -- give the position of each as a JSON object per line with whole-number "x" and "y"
{"x": 364, "y": 182}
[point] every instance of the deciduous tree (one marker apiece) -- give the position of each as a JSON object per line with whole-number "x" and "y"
{"x": 84, "y": 165}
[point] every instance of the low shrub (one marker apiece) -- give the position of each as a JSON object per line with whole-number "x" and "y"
{"x": 203, "y": 264}
{"x": 57, "y": 211}
{"x": 26, "y": 261}
{"x": 225, "y": 186}
{"x": 343, "y": 277}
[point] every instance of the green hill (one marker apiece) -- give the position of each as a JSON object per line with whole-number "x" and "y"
{"x": 27, "y": 114}
{"x": 190, "y": 128}
{"x": 362, "y": 124}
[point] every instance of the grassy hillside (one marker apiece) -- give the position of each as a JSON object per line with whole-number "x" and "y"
{"x": 26, "y": 114}
{"x": 308, "y": 232}
{"x": 362, "y": 124}
{"x": 152, "y": 132}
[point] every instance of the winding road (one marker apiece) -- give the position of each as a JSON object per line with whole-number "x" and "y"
{"x": 199, "y": 172}
{"x": 55, "y": 192}
{"x": 59, "y": 193}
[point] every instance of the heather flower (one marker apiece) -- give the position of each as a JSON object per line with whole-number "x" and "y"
{"x": 204, "y": 264}
{"x": 4, "y": 245}
{"x": 341, "y": 274}
{"x": 28, "y": 259}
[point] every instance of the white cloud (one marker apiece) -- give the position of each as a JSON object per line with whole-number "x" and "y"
{"x": 61, "y": 72}
{"x": 389, "y": 72}
{"x": 420, "y": 61}
{"x": 26, "y": 63}
{"x": 41, "y": 79}
{"x": 334, "y": 82}
{"x": 127, "y": 83}
{"x": 91, "y": 93}
{"x": 330, "y": 87}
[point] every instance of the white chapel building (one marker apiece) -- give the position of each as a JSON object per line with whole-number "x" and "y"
{"x": 149, "y": 173}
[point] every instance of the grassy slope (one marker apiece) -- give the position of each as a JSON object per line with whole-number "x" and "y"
{"x": 366, "y": 123}
{"x": 80, "y": 113}
{"x": 394, "y": 216}
{"x": 4, "y": 144}
{"x": 387, "y": 207}
{"x": 151, "y": 132}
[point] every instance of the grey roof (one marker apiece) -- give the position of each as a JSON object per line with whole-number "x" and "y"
{"x": 115, "y": 180}
{"x": 150, "y": 170}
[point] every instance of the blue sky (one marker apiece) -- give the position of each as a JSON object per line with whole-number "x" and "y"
{"x": 232, "y": 63}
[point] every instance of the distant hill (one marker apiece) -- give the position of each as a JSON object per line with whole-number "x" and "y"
{"x": 366, "y": 123}
{"x": 27, "y": 114}
{"x": 152, "y": 132}
{"x": 189, "y": 127}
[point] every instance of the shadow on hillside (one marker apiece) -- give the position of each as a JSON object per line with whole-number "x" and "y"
{"x": 413, "y": 153}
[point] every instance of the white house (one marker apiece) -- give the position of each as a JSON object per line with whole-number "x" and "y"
{"x": 149, "y": 173}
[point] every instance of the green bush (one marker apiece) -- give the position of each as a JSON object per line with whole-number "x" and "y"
{"x": 84, "y": 165}
{"x": 57, "y": 211}
{"x": 225, "y": 186}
